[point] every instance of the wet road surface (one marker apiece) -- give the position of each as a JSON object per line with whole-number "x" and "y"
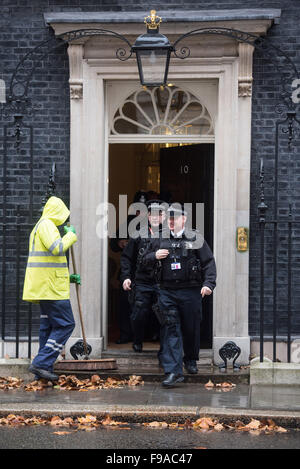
{"x": 135, "y": 436}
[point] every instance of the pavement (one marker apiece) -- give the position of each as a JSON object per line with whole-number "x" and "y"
{"x": 150, "y": 401}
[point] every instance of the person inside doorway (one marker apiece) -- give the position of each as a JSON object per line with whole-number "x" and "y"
{"x": 139, "y": 279}
{"x": 118, "y": 244}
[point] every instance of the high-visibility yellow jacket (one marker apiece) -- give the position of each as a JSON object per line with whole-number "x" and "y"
{"x": 47, "y": 273}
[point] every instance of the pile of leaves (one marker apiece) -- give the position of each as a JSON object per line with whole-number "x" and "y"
{"x": 87, "y": 423}
{"x": 225, "y": 386}
{"x": 9, "y": 382}
{"x": 71, "y": 383}
{"x": 91, "y": 422}
{"x": 253, "y": 427}
{"x": 205, "y": 424}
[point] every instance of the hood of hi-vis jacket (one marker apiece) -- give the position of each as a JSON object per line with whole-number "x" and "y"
{"x": 56, "y": 211}
{"x": 47, "y": 273}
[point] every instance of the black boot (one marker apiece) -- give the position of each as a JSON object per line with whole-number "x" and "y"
{"x": 137, "y": 347}
{"x": 43, "y": 373}
{"x": 172, "y": 379}
{"x": 191, "y": 368}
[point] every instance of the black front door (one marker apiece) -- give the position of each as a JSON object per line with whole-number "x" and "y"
{"x": 187, "y": 176}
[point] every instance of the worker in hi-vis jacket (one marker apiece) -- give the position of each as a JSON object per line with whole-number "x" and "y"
{"x": 47, "y": 282}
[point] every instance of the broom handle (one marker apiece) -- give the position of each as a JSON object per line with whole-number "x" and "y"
{"x": 79, "y": 303}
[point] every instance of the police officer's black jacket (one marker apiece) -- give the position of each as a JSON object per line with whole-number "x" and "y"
{"x": 132, "y": 266}
{"x": 190, "y": 262}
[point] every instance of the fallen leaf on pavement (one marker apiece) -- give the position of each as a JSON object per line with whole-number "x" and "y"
{"x": 280, "y": 429}
{"x": 218, "y": 427}
{"x": 88, "y": 419}
{"x": 157, "y": 425}
{"x": 259, "y": 426}
{"x": 61, "y": 433}
{"x": 254, "y": 424}
{"x": 109, "y": 422}
{"x": 205, "y": 423}
{"x": 95, "y": 379}
{"x": 209, "y": 384}
{"x": 226, "y": 385}
{"x": 135, "y": 380}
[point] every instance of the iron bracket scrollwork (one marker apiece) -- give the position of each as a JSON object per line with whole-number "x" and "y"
{"x": 286, "y": 68}
{"x": 19, "y": 84}
{"x": 18, "y": 105}
{"x": 228, "y": 351}
{"x": 262, "y": 207}
{"x": 51, "y": 186}
{"x": 20, "y": 81}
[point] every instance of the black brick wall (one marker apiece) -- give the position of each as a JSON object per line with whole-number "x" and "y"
{"x": 22, "y": 28}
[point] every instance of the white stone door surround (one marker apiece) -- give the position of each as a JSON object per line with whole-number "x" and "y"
{"x": 221, "y": 61}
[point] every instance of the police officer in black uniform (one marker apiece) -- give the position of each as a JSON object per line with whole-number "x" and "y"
{"x": 186, "y": 273}
{"x": 118, "y": 244}
{"x": 139, "y": 279}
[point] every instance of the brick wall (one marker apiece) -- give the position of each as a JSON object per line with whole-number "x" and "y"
{"x": 22, "y": 28}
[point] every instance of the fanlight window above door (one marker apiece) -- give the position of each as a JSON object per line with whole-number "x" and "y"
{"x": 169, "y": 111}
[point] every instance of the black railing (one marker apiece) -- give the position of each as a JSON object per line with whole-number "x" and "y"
{"x": 19, "y": 318}
{"x": 279, "y": 276}
{"x": 19, "y": 321}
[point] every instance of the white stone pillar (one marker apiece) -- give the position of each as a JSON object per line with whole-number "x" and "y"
{"x": 231, "y": 321}
{"x": 75, "y": 53}
{"x": 87, "y": 192}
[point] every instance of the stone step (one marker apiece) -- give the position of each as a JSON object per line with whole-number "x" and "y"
{"x": 148, "y": 358}
{"x": 156, "y": 374}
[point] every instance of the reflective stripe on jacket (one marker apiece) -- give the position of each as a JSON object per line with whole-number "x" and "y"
{"x": 47, "y": 274}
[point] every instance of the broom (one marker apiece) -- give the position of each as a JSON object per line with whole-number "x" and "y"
{"x": 77, "y": 346}
{"x": 81, "y": 347}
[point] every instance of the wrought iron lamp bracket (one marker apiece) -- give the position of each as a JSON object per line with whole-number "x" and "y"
{"x": 20, "y": 81}
{"x": 287, "y": 71}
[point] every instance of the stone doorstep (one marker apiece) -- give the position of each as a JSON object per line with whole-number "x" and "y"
{"x": 148, "y": 358}
{"x": 149, "y": 362}
{"x": 204, "y": 374}
{"x": 267, "y": 372}
{"x": 16, "y": 367}
{"x": 19, "y": 368}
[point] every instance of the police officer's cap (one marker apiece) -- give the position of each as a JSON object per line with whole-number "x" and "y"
{"x": 176, "y": 209}
{"x": 140, "y": 196}
{"x": 156, "y": 205}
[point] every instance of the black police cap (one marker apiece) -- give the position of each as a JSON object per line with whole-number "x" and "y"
{"x": 156, "y": 204}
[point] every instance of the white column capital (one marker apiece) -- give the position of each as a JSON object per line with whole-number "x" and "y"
{"x": 75, "y": 52}
{"x": 245, "y": 78}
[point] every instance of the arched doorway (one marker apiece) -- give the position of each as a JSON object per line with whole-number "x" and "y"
{"x": 161, "y": 143}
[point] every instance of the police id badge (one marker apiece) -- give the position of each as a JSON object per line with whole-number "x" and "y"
{"x": 175, "y": 266}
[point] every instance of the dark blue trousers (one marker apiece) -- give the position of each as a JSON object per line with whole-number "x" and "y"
{"x": 142, "y": 315}
{"x": 182, "y": 311}
{"x": 56, "y": 326}
{"x": 124, "y": 316}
